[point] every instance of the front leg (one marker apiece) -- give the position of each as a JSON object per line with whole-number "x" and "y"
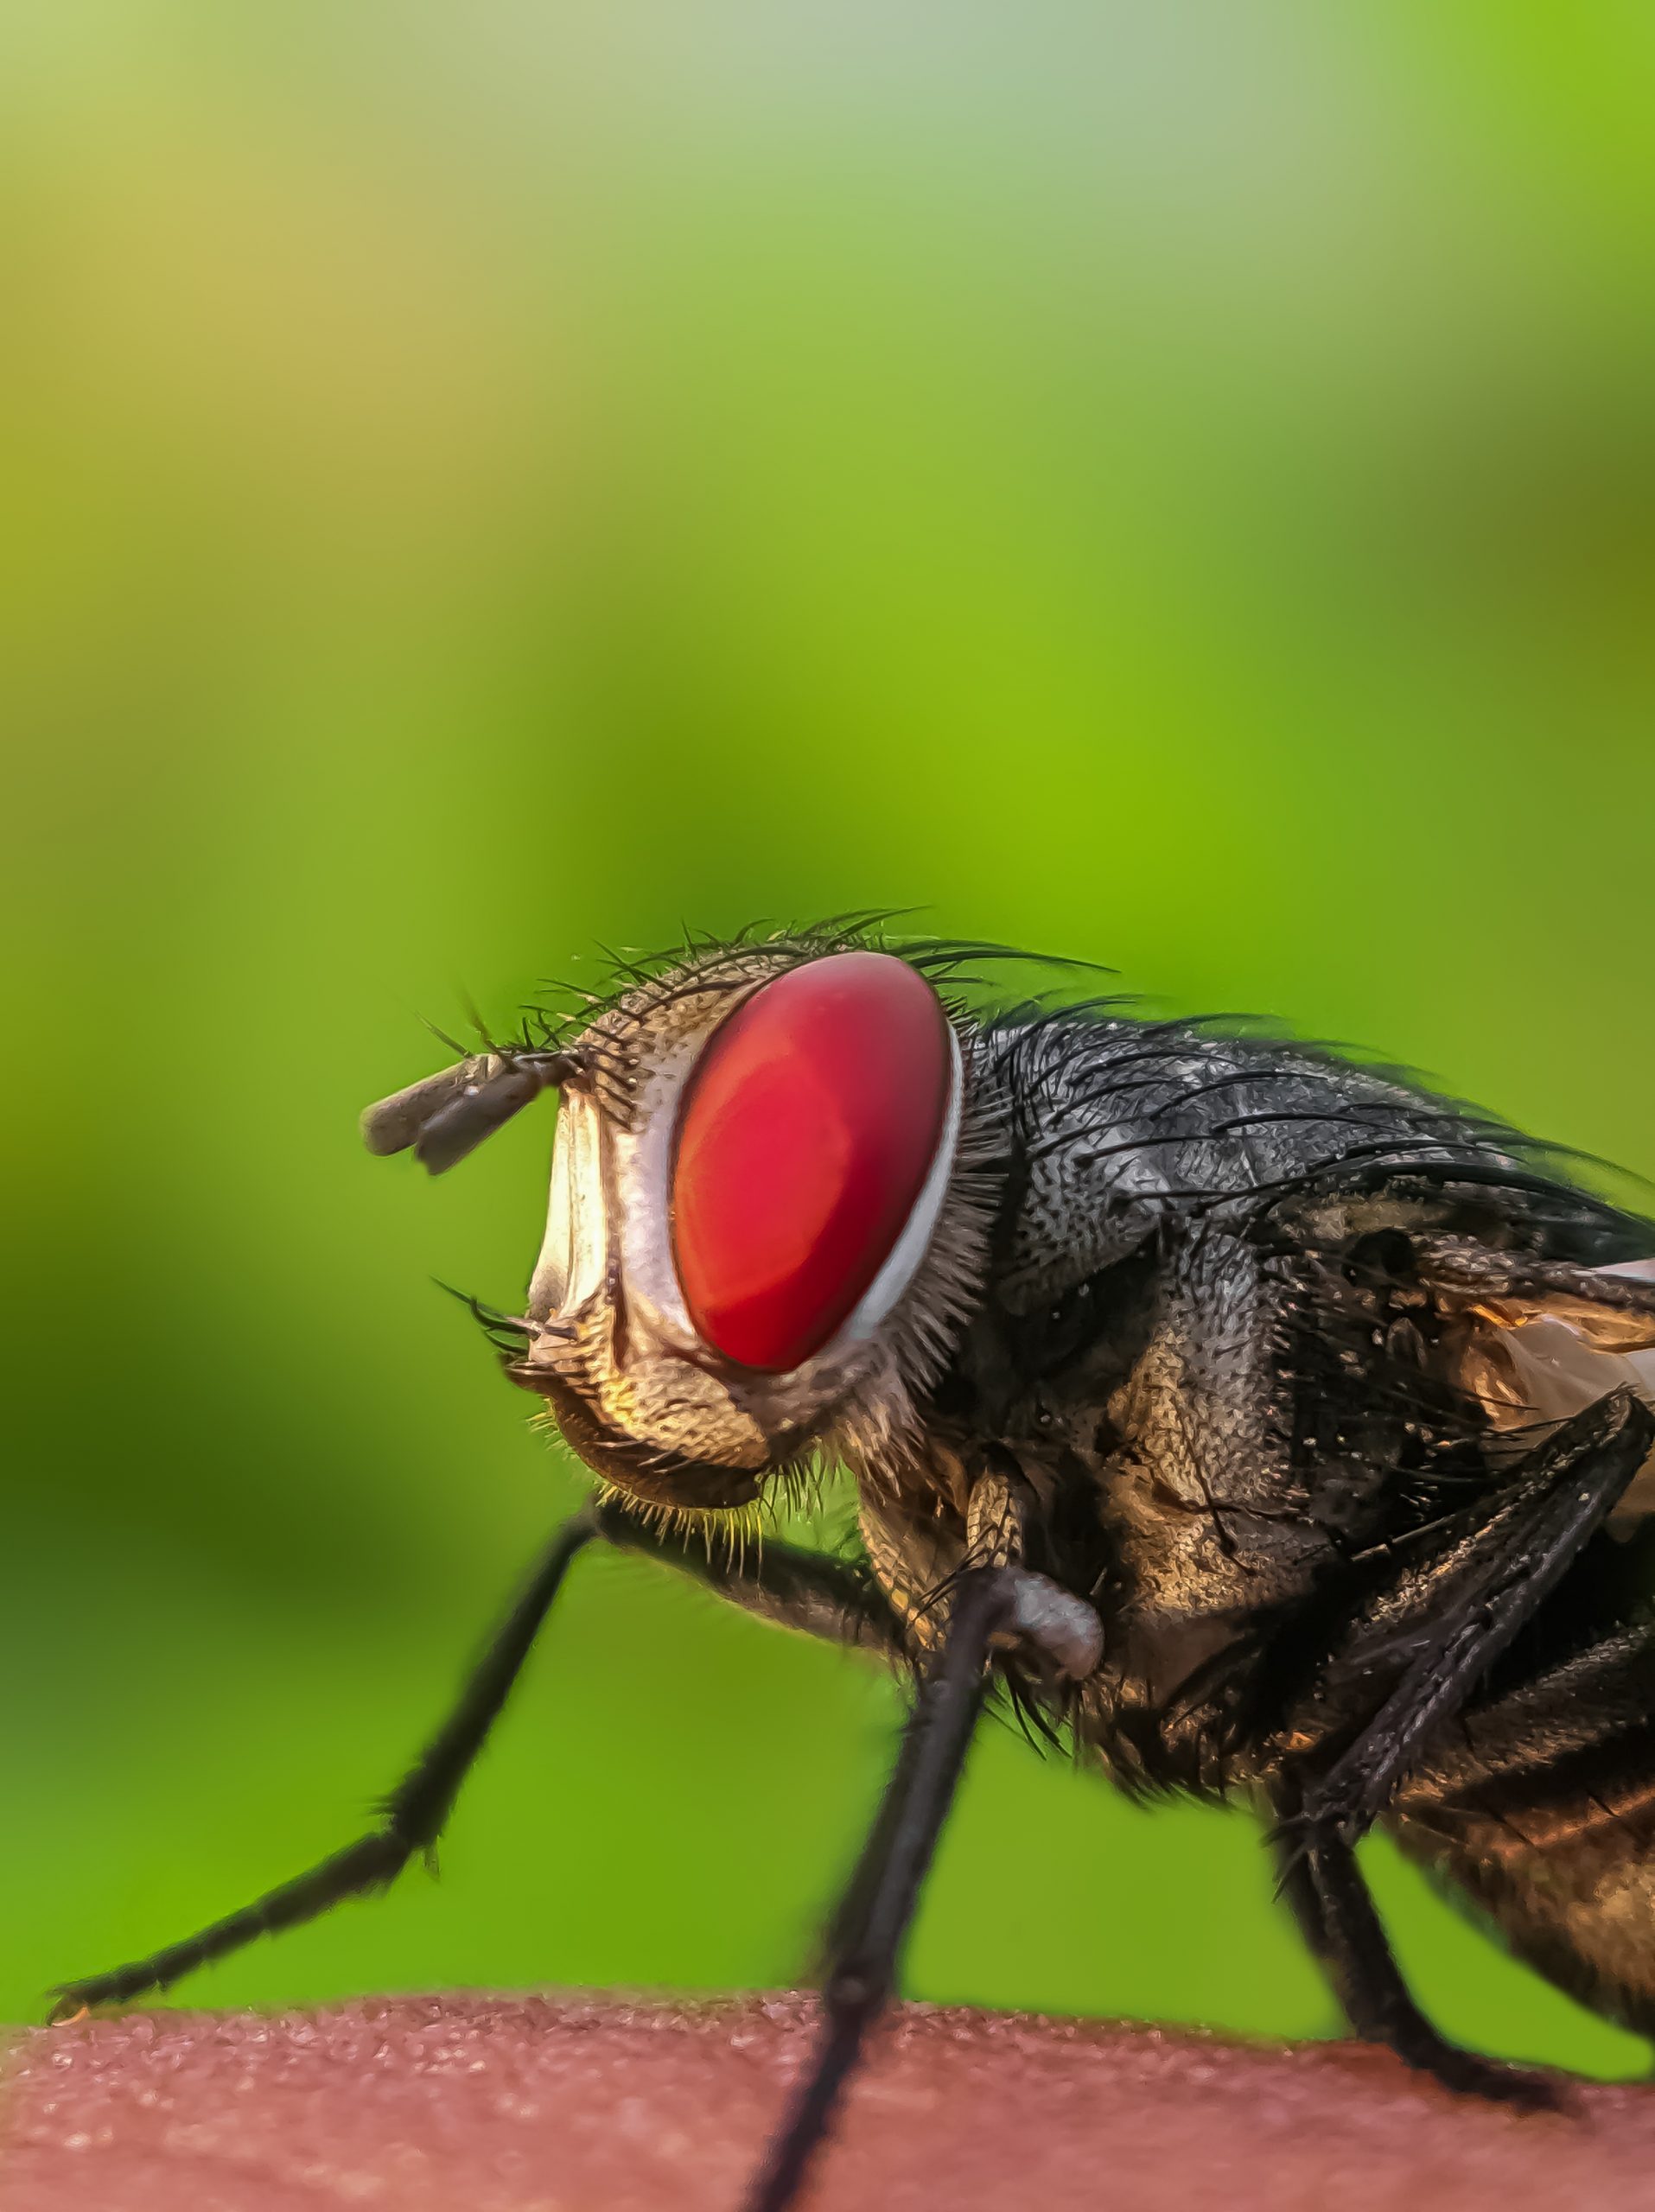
{"x": 835, "y": 1601}
{"x": 825, "y": 1597}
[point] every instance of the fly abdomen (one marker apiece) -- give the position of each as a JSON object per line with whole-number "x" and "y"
{"x": 1541, "y": 1809}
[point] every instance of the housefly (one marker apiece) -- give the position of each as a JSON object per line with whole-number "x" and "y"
{"x": 1262, "y": 1423}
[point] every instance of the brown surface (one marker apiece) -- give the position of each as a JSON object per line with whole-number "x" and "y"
{"x": 502, "y": 2104}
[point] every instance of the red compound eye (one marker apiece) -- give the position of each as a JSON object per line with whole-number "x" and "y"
{"x": 807, "y": 1130}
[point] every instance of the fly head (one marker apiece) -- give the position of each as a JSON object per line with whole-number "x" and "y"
{"x": 771, "y": 1191}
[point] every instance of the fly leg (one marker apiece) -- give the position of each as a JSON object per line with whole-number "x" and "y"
{"x": 1569, "y": 1485}
{"x": 1330, "y": 1900}
{"x": 410, "y": 1819}
{"x": 865, "y": 1939}
{"x": 836, "y": 1600}
{"x": 823, "y": 1597}
{"x": 1489, "y": 1592}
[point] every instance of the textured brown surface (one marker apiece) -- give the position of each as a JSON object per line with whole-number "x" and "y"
{"x": 499, "y": 2105}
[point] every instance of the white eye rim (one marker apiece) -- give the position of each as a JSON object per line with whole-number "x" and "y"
{"x": 906, "y": 1256}
{"x": 610, "y": 1183}
{"x": 652, "y": 1270}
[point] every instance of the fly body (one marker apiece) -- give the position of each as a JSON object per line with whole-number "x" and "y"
{"x": 1264, "y": 1424}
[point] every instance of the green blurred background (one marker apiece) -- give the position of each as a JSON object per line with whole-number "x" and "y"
{"x": 1171, "y": 483}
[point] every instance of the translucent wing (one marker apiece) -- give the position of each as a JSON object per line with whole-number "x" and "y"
{"x": 1542, "y": 1353}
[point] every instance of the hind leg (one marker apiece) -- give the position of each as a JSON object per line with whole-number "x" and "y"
{"x": 1472, "y": 1610}
{"x": 1330, "y": 1902}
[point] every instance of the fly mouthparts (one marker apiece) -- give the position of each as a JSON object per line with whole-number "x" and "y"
{"x": 446, "y": 1115}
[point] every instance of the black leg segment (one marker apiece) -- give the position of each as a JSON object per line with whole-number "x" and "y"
{"x": 1376, "y": 1997}
{"x": 835, "y": 1601}
{"x": 865, "y": 1939}
{"x": 1489, "y": 1589}
{"x": 826, "y": 1597}
{"x": 1330, "y": 1899}
{"x": 412, "y": 1818}
{"x": 1570, "y": 1484}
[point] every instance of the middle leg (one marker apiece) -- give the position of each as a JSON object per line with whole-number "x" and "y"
{"x": 865, "y": 1939}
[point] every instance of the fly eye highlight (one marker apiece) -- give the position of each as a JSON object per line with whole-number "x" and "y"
{"x": 448, "y": 1116}
{"x": 807, "y": 1134}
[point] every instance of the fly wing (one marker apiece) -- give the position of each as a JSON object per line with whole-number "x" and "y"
{"x": 1539, "y": 1351}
